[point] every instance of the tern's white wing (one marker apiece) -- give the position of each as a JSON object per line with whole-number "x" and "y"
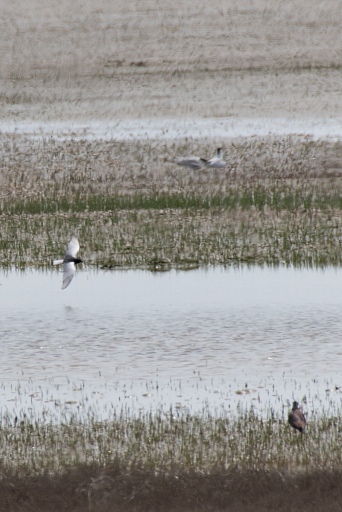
{"x": 73, "y": 247}
{"x": 193, "y": 162}
{"x": 69, "y": 270}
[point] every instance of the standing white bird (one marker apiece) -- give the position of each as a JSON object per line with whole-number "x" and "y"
{"x": 193, "y": 162}
{"x": 69, "y": 262}
{"x": 215, "y": 162}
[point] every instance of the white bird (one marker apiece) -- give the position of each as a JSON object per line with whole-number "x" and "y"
{"x": 69, "y": 262}
{"x": 193, "y": 162}
{"x": 215, "y": 162}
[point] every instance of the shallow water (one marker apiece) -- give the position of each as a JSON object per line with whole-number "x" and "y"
{"x": 139, "y": 340}
{"x": 171, "y": 128}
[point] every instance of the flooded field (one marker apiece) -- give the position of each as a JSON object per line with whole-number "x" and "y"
{"x": 189, "y": 373}
{"x": 211, "y": 340}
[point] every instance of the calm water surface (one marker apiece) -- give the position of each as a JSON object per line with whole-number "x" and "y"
{"x": 140, "y": 340}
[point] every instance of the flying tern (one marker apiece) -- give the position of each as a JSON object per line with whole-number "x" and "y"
{"x": 69, "y": 262}
{"x": 216, "y": 162}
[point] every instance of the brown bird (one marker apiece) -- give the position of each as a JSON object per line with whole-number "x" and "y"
{"x": 297, "y": 419}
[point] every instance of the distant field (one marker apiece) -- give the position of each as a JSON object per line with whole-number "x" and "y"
{"x": 107, "y": 60}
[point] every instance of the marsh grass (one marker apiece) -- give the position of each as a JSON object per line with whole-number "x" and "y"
{"x": 159, "y": 460}
{"x": 172, "y": 439}
{"x": 277, "y": 202}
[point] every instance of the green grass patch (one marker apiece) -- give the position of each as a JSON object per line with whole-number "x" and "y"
{"x": 259, "y": 198}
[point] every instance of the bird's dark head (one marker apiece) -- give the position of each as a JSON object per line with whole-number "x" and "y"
{"x": 295, "y": 406}
{"x": 77, "y": 260}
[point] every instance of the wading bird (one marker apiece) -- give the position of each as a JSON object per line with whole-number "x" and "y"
{"x": 297, "y": 419}
{"x": 216, "y": 162}
{"x": 69, "y": 262}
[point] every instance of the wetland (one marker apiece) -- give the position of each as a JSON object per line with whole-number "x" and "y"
{"x": 161, "y": 379}
{"x": 166, "y": 372}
